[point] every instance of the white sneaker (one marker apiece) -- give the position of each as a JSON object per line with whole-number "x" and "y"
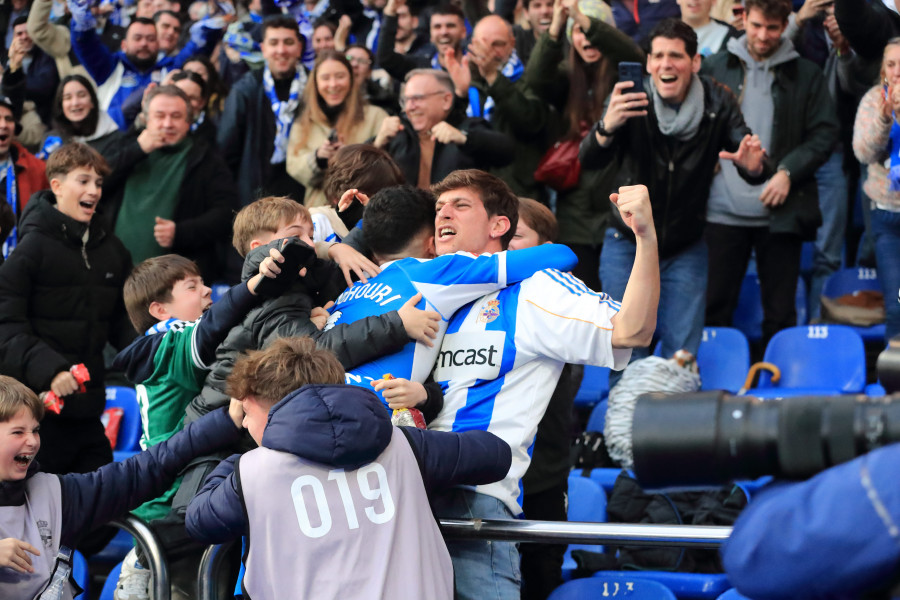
{"x": 134, "y": 580}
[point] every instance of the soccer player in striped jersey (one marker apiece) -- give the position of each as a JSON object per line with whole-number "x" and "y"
{"x": 529, "y": 330}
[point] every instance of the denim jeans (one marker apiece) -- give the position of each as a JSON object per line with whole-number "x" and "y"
{"x": 483, "y": 569}
{"x": 832, "y": 184}
{"x": 682, "y": 296}
{"x": 886, "y": 231}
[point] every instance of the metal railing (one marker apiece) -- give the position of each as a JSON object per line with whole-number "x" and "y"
{"x": 695, "y": 536}
{"x": 149, "y": 543}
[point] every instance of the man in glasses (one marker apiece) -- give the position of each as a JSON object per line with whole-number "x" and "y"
{"x": 428, "y": 142}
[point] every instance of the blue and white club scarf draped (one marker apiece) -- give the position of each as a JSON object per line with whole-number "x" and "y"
{"x": 512, "y": 70}
{"x": 12, "y": 197}
{"x": 162, "y": 327}
{"x": 284, "y": 111}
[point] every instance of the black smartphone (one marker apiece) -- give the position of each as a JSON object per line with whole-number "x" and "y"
{"x": 632, "y": 71}
{"x": 333, "y": 136}
{"x": 296, "y": 256}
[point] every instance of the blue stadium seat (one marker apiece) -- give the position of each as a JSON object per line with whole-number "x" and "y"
{"x": 732, "y": 594}
{"x": 800, "y": 303}
{"x": 80, "y": 574}
{"x": 847, "y": 281}
{"x": 723, "y": 358}
{"x": 109, "y": 588}
{"x": 593, "y": 588}
{"x": 587, "y": 504}
{"x": 594, "y": 386}
{"x": 606, "y": 477}
{"x": 701, "y": 586}
{"x": 814, "y": 360}
{"x": 748, "y": 314}
{"x": 597, "y": 420}
{"x": 218, "y": 290}
{"x": 128, "y": 442}
{"x": 875, "y": 389}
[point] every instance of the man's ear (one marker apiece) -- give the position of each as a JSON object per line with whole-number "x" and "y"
{"x": 499, "y": 226}
{"x": 696, "y": 62}
{"x": 158, "y": 311}
{"x": 255, "y": 243}
{"x": 122, "y": 44}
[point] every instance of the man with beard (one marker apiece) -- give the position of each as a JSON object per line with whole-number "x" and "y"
{"x": 136, "y": 65}
{"x": 784, "y": 99}
{"x": 448, "y": 30}
{"x": 173, "y": 192}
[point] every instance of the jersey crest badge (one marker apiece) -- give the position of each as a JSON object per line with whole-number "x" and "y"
{"x": 489, "y": 312}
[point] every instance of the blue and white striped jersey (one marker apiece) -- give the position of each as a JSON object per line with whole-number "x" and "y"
{"x": 447, "y": 283}
{"x": 502, "y": 355}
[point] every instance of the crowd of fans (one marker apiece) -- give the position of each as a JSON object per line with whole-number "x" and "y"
{"x": 131, "y": 132}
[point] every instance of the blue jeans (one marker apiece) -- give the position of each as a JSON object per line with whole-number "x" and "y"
{"x": 886, "y": 231}
{"x": 682, "y": 295}
{"x": 832, "y": 184}
{"x": 483, "y": 569}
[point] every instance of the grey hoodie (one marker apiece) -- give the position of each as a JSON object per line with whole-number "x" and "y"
{"x": 732, "y": 201}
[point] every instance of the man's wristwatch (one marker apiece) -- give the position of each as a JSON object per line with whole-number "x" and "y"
{"x": 602, "y": 130}
{"x": 785, "y": 170}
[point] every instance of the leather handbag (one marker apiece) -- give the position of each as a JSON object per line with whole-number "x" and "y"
{"x": 560, "y": 168}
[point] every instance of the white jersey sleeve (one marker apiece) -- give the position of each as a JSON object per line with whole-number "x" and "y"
{"x": 562, "y": 319}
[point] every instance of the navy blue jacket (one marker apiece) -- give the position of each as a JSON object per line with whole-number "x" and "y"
{"x": 833, "y": 536}
{"x": 92, "y": 499}
{"x": 344, "y": 426}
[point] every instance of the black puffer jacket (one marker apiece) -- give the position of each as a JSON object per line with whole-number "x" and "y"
{"x": 288, "y": 316}
{"x": 61, "y": 300}
{"x": 677, "y": 173}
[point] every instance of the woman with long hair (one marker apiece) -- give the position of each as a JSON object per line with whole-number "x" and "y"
{"x": 77, "y": 117}
{"x": 216, "y": 89}
{"x": 876, "y": 142}
{"x": 334, "y": 114}
{"x": 577, "y": 85}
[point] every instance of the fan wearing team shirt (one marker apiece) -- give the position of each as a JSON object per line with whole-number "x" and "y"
{"x": 532, "y": 328}
{"x": 398, "y": 226}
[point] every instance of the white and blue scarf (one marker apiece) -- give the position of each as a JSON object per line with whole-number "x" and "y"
{"x": 512, "y": 70}
{"x": 284, "y": 111}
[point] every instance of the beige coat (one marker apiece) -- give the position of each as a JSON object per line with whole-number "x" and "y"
{"x": 301, "y": 161}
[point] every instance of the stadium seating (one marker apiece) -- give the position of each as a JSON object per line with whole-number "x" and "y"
{"x": 109, "y": 588}
{"x": 80, "y": 574}
{"x": 612, "y": 587}
{"x": 700, "y": 586}
{"x": 128, "y": 441}
{"x": 218, "y": 290}
{"x": 597, "y": 420}
{"x": 814, "y": 360}
{"x": 723, "y": 359}
{"x": 587, "y": 503}
{"x": 594, "y": 386}
{"x": 847, "y": 281}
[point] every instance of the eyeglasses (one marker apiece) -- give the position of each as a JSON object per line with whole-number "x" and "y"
{"x": 355, "y": 60}
{"x": 418, "y": 98}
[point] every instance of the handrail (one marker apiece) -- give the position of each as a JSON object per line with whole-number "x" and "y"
{"x": 210, "y": 562}
{"x": 562, "y": 532}
{"x": 151, "y": 546}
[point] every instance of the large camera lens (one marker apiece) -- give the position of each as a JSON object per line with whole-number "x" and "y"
{"x": 710, "y": 438}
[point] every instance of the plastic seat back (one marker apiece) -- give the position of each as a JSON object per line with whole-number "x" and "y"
{"x": 732, "y": 594}
{"x": 80, "y": 574}
{"x": 129, "y": 439}
{"x": 847, "y": 281}
{"x": 723, "y": 359}
{"x": 597, "y": 420}
{"x": 109, "y": 588}
{"x": 594, "y": 386}
{"x": 602, "y": 587}
{"x": 817, "y": 357}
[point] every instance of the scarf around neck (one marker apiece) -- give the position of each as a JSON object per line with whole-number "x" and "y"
{"x": 284, "y": 111}
{"x": 680, "y": 122}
